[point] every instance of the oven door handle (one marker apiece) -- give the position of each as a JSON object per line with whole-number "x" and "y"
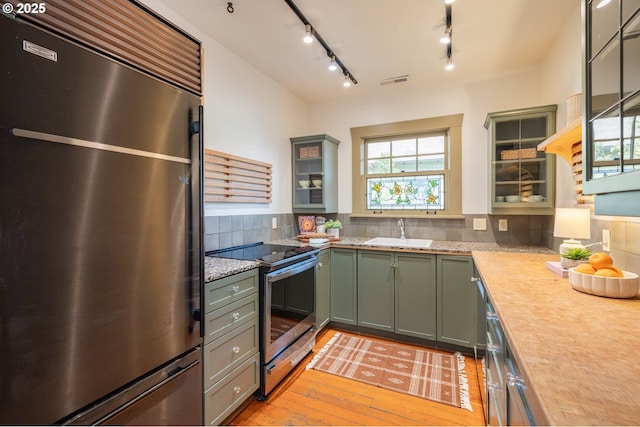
{"x": 292, "y": 270}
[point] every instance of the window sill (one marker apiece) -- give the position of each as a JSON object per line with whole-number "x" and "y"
{"x": 421, "y": 215}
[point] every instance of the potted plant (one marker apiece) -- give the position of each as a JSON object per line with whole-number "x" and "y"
{"x": 332, "y": 227}
{"x": 575, "y": 256}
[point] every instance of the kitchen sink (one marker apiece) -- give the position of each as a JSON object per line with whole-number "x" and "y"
{"x": 398, "y": 242}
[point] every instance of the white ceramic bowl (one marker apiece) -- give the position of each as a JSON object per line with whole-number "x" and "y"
{"x": 512, "y": 199}
{"x": 611, "y": 287}
{"x": 304, "y": 183}
{"x": 317, "y": 182}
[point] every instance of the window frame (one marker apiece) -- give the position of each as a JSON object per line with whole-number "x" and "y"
{"x": 451, "y": 125}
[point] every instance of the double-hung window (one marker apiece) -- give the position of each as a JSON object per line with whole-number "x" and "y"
{"x": 407, "y": 172}
{"x": 410, "y": 168}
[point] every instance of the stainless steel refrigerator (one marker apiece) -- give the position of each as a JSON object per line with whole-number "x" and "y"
{"x": 100, "y": 263}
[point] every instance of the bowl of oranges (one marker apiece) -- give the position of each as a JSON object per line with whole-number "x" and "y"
{"x": 600, "y": 277}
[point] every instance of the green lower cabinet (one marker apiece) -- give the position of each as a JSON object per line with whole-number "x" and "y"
{"x": 344, "y": 297}
{"x": 456, "y": 300}
{"x": 376, "y": 289}
{"x": 323, "y": 289}
{"x": 415, "y": 301}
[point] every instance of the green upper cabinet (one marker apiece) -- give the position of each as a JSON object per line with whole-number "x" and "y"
{"x": 456, "y": 301}
{"x": 315, "y": 174}
{"x": 611, "y": 123}
{"x": 522, "y": 179}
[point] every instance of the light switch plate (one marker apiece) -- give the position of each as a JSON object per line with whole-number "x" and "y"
{"x": 503, "y": 225}
{"x": 274, "y": 222}
{"x": 480, "y": 224}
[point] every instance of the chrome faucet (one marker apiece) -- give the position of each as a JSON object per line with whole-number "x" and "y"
{"x": 401, "y": 225}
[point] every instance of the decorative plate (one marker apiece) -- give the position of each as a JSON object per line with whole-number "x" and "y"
{"x": 307, "y": 224}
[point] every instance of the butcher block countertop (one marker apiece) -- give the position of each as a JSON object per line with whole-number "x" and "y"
{"x": 579, "y": 353}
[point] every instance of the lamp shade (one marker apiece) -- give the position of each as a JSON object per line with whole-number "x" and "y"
{"x": 573, "y": 223}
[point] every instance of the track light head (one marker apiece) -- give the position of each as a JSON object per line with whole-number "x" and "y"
{"x": 450, "y": 66}
{"x": 347, "y": 81}
{"x": 446, "y": 37}
{"x": 308, "y": 38}
{"x": 333, "y": 66}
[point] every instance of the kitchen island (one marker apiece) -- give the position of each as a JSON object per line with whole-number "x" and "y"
{"x": 578, "y": 353}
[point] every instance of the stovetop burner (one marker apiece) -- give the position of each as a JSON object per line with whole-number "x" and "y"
{"x": 267, "y": 254}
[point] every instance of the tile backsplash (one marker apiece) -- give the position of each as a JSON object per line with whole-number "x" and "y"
{"x": 232, "y": 230}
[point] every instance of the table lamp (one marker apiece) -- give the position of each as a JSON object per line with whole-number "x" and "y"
{"x": 572, "y": 223}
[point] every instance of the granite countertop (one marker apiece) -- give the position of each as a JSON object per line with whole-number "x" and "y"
{"x": 438, "y": 246}
{"x": 217, "y": 268}
{"x": 577, "y": 352}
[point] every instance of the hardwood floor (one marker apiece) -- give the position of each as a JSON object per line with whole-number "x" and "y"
{"x": 315, "y": 398}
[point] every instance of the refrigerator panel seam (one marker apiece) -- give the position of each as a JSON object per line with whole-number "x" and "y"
{"x": 23, "y": 133}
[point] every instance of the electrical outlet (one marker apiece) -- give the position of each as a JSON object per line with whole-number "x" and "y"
{"x": 274, "y": 222}
{"x": 480, "y": 224}
{"x": 503, "y": 225}
{"x": 606, "y": 240}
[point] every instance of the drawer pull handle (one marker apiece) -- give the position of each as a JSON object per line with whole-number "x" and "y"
{"x": 492, "y": 316}
{"x": 475, "y": 279}
{"x": 236, "y": 349}
{"x": 237, "y": 390}
{"x": 319, "y": 265}
{"x": 236, "y": 315}
{"x": 235, "y": 288}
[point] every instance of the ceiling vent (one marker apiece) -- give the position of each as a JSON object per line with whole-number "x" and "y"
{"x": 394, "y": 80}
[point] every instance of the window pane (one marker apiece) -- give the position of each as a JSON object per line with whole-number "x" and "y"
{"x": 631, "y": 54}
{"x": 378, "y": 149}
{"x": 430, "y": 145}
{"x": 606, "y": 145}
{"x": 379, "y": 166}
{"x": 631, "y": 134}
{"x": 431, "y": 163}
{"x": 404, "y": 147}
{"x": 403, "y": 164}
{"x": 406, "y": 193}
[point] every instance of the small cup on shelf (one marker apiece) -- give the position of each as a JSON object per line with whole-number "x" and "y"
{"x": 304, "y": 183}
{"x": 317, "y": 183}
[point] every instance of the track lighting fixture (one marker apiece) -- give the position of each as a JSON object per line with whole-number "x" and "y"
{"x": 332, "y": 65}
{"x": 310, "y": 34}
{"x": 308, "y": 38}
{"x": 448, "y": 1}
{"x": 447, "y": 37}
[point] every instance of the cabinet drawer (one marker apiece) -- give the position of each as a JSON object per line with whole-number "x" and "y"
{"x": 220, "y": 321}
{"x": 223, "y": 355}
{"x": 229, "y": 289}
{"x": 224, "y": 397}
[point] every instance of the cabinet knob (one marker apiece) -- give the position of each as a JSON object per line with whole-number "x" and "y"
{"x": 237, "y": 389}
{"x": 235, "y": 288}
{"x": 319, "y": 264}
{"x": 235, "y": 316}
{"x": 236, "y": 349}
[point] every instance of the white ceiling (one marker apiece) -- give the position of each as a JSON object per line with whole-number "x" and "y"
{"x": 380, "y": 39}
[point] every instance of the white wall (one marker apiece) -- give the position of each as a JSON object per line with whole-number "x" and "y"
{"x": 246, "y": 114}
{"x": 550, "y": 83}
{"x": 249, "y": 115}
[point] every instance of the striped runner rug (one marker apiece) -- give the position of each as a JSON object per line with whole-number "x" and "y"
{"x": 435, "y": 376}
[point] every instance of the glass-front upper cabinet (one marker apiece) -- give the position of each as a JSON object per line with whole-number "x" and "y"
{"x": 612, "y": 104}
{"x": 315, "y": 174}
{"x": 522, "y": 178}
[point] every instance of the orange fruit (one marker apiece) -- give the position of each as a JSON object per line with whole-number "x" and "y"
{"x": 584, "y": 269}
{"x": 609, "y": 272}
{"x": 600, "y": 260}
